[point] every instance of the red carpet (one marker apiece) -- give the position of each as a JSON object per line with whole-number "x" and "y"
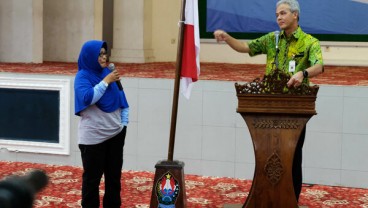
{"x": 333, "y": 75}
{"x": 64, "y": 187}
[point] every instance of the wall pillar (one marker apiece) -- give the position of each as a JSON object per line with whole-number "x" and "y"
{"x": 132, "y": 39}
{"x": 21, "y": 36}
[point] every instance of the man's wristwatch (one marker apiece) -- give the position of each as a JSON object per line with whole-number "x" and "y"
{"x": 305, "y": 74}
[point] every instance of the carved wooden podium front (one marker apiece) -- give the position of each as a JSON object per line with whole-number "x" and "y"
{"x": 275, "y": 116}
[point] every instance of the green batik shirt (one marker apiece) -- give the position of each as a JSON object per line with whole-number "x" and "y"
{"x": 303, "y": 48}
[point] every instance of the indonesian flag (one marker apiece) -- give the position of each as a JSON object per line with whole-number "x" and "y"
{"x": 190, "y": 59}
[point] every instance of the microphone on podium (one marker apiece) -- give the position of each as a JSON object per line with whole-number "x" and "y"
{"x": 112, "y": 68}
{"x": 277, "y": 34}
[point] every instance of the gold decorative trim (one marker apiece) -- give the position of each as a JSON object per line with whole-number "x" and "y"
{"x": 276, "y": 124}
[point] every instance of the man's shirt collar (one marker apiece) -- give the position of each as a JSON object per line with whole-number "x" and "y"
{"x": 296, "y": 34}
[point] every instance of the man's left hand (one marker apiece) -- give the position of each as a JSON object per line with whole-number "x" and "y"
{"x": 296, "y": 80}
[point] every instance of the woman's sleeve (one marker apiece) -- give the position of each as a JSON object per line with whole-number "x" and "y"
{"x": 98, "y": 90}
{"x": 125, "y": 116}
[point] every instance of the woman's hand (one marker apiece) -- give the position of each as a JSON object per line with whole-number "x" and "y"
{"x": 112, "y": 77}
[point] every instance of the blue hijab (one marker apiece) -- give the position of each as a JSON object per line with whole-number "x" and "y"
{"x": 91, "y": 73}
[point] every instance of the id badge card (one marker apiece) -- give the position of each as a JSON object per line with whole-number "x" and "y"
{"x": 292, "y": 66}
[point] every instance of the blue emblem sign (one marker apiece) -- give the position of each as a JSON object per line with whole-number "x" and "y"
{"x": 167, "y": 191}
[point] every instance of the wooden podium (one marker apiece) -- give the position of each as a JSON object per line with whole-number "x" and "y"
{"x": 275, "y": 116}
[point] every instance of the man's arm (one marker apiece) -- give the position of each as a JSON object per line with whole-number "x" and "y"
{"x": 297, "y": 79}
{"x": 315, "y": 70}
{"x": 235, "y": 44}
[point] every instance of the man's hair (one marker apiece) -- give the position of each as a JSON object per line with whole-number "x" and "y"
{"x": 294, "y": 5}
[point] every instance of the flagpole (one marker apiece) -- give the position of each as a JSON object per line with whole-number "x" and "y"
{"x": 179, "y": 58}
{"x": 169, "y": 169}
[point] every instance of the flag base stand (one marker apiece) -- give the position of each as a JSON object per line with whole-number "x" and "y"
{"x": 169, "y": 185}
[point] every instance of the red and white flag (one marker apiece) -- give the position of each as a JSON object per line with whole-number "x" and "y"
{"x": 190, "y": 59}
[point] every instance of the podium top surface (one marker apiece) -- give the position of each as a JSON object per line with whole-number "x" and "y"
{"x": 271, "y": 95}
{"x": 275, "y": 84}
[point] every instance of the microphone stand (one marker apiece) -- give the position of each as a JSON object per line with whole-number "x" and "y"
{"x": 276, "y": 61}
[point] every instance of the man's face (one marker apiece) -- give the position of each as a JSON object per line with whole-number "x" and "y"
{"x": 102, "y": 58}
{"x": 285, "y": 18}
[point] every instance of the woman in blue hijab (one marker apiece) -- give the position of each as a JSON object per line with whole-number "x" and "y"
{"x": 103, "y": 111}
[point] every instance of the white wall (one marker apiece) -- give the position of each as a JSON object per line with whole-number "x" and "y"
{"x": 334, "y": 53}
{"x": 213, "y": 140}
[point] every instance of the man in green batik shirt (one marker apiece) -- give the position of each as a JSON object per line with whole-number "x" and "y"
{"x": 299, "y": 54}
